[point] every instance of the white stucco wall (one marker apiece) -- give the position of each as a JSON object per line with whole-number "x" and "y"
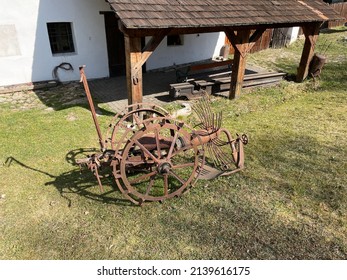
{"x": 25, "y": 53}
{"x": 195, "y": 47}
{"x": 29, "y": 58}
{"x": 293, "y": 32}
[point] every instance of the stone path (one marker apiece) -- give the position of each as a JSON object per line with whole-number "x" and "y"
{"x": 69, "y": 94}
{"x": 110, "y": 91}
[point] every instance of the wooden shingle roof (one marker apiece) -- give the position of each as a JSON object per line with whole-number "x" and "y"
{"x": 153, "y": 14}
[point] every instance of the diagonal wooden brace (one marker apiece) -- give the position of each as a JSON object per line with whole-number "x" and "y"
{"x": 147, "y": 52}
{"x": 311, "y": 35}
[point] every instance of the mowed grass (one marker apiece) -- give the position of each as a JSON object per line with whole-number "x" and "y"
{"x": 290, "y": 202}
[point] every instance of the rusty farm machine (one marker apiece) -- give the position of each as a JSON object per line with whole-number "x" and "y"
{"x": 153, "y": 156}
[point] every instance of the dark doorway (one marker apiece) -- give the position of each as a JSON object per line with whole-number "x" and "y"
{"x": 115, "y": 45}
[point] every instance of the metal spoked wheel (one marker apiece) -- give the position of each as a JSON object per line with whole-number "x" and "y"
{"x": 158, "y": 162}
{"x": 132, "y": 118}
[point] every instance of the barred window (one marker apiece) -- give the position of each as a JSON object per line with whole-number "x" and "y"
{"x": 60, "y": 37}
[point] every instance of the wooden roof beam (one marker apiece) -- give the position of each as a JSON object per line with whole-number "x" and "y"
{"x": 141, "y": 32}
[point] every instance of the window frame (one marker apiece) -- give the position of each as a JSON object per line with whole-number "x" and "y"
{"x": 56, "y": 41}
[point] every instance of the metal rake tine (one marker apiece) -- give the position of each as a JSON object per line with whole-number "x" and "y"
{"x": 209, "y": 113}
{"x": 216, "y": 155}
{"x": 198, "y": 113}
{"x": 201, "y": 111}
{"x": 205, "y": 111}
{"x": 201, "y": 118}
{"x": 211, "y": 154}
{"x": 220, "y": 119}
{"x": 213, "y": 121}
{"x": 222, "y": 157}
{"x": 219, "y": 142}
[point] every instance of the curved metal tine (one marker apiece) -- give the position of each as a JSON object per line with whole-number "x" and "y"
{"x": 217, "y": 156}
{"x": 213, "y": 123}
{"x": 203, "y": 110}
{"x": 211, "y": 154}
{"x": 225, "y": 160}
{"x": 220, "y": 158}
{"x": 219, "y": 142}
{"x": 219, "y": 120}
{"x": 198, "y": 110}
{"x": 200, "y": 116}
{"x": 207, "y": 112}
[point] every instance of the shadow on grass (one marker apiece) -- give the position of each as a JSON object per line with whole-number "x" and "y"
{"x": 331, "y": 31}
{"x": 84, "y": 184}
{"x": 243, "y": 231}
{"x": 79, "y": 182}
{"x": 301, "y": 167}
{"x": 275, "y": 213}
{"x": 334, "y": 76}
{"x": 68, "y": 95}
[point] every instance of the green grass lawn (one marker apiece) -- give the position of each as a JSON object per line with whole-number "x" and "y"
{"x": 290, "y": 202}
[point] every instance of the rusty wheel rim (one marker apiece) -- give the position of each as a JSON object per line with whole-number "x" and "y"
{"x": 159, "y": 170}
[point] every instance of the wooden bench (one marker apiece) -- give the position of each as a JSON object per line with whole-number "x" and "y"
{"x": 181, "y": 89}
{"x": 187, "y": 87}
{"x": 183, "y": 74}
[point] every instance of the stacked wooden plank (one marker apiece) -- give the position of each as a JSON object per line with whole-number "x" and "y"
{"x": 217, "y": 83}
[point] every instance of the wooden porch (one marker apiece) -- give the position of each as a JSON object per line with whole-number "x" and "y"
{"x": 242, "y": 24}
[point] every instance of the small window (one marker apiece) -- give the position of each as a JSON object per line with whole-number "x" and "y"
{"x": 60, "y": 37}
{"x": 175, "y": 40}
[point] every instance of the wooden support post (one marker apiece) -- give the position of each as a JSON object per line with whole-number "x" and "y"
{"x": 311, "y": 35}
{"x": 150, "y": 48}
{"x": 240, "y": 42}
{"x": 133, "y": 56}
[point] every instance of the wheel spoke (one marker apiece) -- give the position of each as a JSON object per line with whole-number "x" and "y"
{"x": 138, "y": 162}
{"x": 172, "y": 145}
{"x": 166, "y": 184}
{"x": 150, "y": 185}
{"x": 177, "y": 177}
{"x": 182, "y": 150}
{"x": 143, "y": 177}
{"x": 183, "y": 165}
{"x": 145, "y": 150}
{"x": 157, "y": 143}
